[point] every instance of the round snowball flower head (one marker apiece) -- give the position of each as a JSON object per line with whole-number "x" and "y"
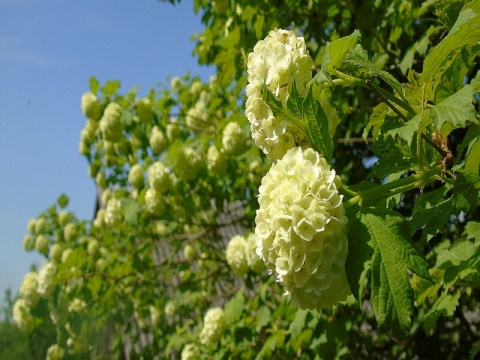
{"x": 22, "y": 318}
{"x": 158, "y": 141}
{"x": 154, "y": 202}
{"x": 173, "y": 130}
{"x": 113, "y": 212}
{"x": 144, "y": 110}
{"x": 135, "y": 176}
{"x": 159, "y": 177}
{"x": 300, "y": 227}
{"x": 236, "y": 255}
{"x": 28, "y": 289}
{"x": 55, "y": 352}
{"x": 216, "y": 160}
{"x": 56, "y": 251}
{"x": 41, "y": 244}
{"x": 188, "y": 163}
{"x": 91, "y": 108}
{"x": 70, "y": 232}
{"x": 275, "y": 63}
{"x": 46, "y": 280}
{"x": 233, "y": 140}
{"x": 213, "y": 326}
{"x": 190, "y": 352}
{"x": 111, "y": 124}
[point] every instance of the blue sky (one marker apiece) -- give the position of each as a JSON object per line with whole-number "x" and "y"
{"x": 48, "y": 51}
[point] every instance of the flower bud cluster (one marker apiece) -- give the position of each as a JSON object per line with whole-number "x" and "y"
{"x": 55, "y": 352}
{"x": 70, "y": 232}
{"x": 236, "y": 255}
{"x": 46, "y": 280}
{"x": 197, "y": 117}
{"x": 190, "y": 352}
{"x": 301, "y": 229}
{"x": 216, "y": 160}
{"x": 213, "y": 326}
{"x": 275, "y": 63}
{"x": 135, "y": 176}
{"x": 159, "y": 177}
{"x": 28, "y": 289}
{"x": 22, "y": 318}
{"x": 233, "y": 139}
{"x": 158, "y": 141}
{"x": 111, "y": 124}
{"x": 188, "y": 163}
{"x": 91, "y": 108}
{"x": 113, "y": 213}
{"x": 154, "y": 202}
{"x": 41, "y": 244}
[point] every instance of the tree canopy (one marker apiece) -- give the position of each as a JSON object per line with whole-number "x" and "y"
{"x": 316, "y": 199}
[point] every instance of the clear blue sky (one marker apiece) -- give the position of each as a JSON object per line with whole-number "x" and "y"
{"x": 48, "y": 51}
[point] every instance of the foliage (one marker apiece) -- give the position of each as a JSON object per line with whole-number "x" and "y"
{"x": 391, "y": 107}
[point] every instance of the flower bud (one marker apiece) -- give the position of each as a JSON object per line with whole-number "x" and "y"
{"x": 158, "y": 177}
{"x": 70, "y": 232}
{"x": 216, "y": 161}
{"x": 213, "y": 326}
{"x": 46, "y": 280}
{"x": 28, "y": 243}
{"x": 111, "y": 124}
{"x": 154, "y": 202}
{"x": 158, "y": 141}
{"x": 91, "y": 108}
{"x": 135, "y": 176}
{"x": 187, "y": 164}
{"x": 56, "y": 251}
{"x": 233, "y": 140}
{"x": 173, "y": 130}
{"x": 28, "y": 289}
{"x": 41, "y": 244}
{"x": 236, "y": 256}
{"x": 144, "y": 110}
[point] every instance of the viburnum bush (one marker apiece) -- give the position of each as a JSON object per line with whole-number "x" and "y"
{"x": 316, "y": 199}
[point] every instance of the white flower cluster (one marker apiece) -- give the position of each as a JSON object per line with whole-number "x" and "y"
{"x": 113, "y": 212}
{"x": 28, "y": 289}
{"x": 46, "y": 280}
{"x": 77, "y": 305}
{"x": 236, "y": 255}
{"x": 22, "y": 318}
{"x": 276, "y": 62}
{"x": 216, "y": 160}
{"x": 213, "y": 326}
{"x": 135, "y": 176}
{"x": 190, "y": 352}
{"x": 41, "y": 244}
{"x": 90, "y": 106}
{"x": 111, "y": 124}
{"x": 197, "y": 117}
{"x": 188, "y": 163}
{"x": 158, "y": 141}
{"x": 253, "y": 260}
{"x": 233, "y": 140}
{"x": 159, "y": 177}
{"x": 55, "y": 352}
{"x": 154, "y": 202}
{"x": 301, "y": 229}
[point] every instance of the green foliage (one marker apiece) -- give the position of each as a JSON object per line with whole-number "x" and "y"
{"x": 392, "y": 106}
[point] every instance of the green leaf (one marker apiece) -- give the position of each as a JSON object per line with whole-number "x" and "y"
{"x": 308, "y": 115}
{"x": 262, "y": 317}
{"x": 337, "y": 50}
{"x": 359, "y": 255}
{"x": 473, "y": 134}
{"x": 444, "y": 306}
{"x": 62, "y": 201}
{"x": 432, "y": 219}
{"x": 407, "y": 131}
{"x": 465, "y": 32}
{"x": 389, "y": 165}
{"x": 359, "y": 58}
{"x": 111, "y": 87}
{"x": 298, "y": 323}
{"x": 472, "y": 230}
{"x": 94, "y": 85}
{"x": 466, "y": 193}
{"x": 131, "y": 211}
{"x": 392, "y": 295}
{"x": 234, "y": 308}
{"x": 377, "y": 118}
{"x": 455, "y": 111}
